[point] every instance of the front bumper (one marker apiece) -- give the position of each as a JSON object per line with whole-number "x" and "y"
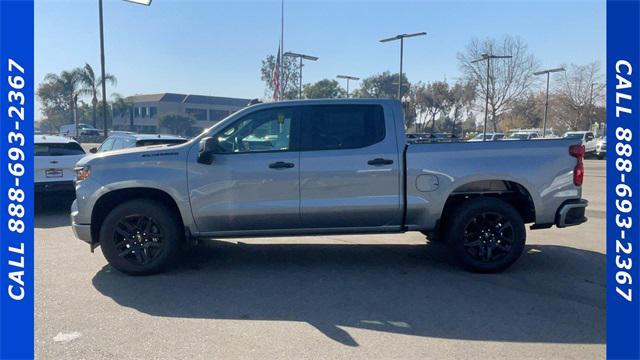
{"x": 571, "y": 213}
{"x": 81, "y": 231}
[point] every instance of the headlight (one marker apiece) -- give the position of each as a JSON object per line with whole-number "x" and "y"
{"x": 82, "y": 173}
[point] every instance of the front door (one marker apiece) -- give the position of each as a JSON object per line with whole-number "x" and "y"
{"x": 253, "y": 182}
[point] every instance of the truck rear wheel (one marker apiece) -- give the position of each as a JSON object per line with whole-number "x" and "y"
{"x": 485, "y": 235}
{"x": 140, "y": 237}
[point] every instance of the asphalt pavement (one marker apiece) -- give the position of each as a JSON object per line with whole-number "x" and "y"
{"x": 373, "y": 296}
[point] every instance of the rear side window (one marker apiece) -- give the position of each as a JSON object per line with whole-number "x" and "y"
{"x": 342, "y": 127}
{"x": 56, "y": 149}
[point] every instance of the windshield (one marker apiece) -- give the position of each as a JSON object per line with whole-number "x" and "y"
{"x": 573, "y": 136}
{"x": 480, "y": 136}
{"x": 520, "y": 136}
{"x": 58, "y": 149}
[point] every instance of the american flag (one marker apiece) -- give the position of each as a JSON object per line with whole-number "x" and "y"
{"x": 275, "y": 77}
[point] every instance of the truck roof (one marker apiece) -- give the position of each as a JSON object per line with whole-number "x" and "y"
{"x": 325, "y": 102}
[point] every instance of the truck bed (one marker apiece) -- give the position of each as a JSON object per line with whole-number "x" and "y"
{"x": 544, "y": 168}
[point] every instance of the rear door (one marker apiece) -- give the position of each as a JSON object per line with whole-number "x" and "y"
{"x": 349, "y": 167}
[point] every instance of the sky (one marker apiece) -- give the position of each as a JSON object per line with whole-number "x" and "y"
{"x": 216, "y": 47}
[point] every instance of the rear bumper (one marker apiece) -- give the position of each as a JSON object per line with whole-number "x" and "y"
{"x": 54, "y": 186}
{"x": 571, "y": 213}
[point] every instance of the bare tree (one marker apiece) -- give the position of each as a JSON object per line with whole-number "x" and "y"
{"x": 577, "y": 94}
{"x": 509, "y": 79}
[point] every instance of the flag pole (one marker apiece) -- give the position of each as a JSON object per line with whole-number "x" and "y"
{"x": 281, "y": 49}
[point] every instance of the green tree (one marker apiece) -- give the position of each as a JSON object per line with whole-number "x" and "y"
{"x": 433, "y": 100}
{"x": 323, "y": 89}
{"x": 178, "y": 124}
{"x": 58, "y": 95}
{"x": 382, "y": 86}
{"x": 290, "y": 76}
{"x": 90, "y": 84}
{"x": 525, "y": 113}
{"x": 123, "y": 107}
{"x": 463, "y": 95}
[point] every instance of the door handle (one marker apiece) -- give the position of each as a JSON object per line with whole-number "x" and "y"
{"x": 380, "y": 162}
{"x": 281, "y": 165}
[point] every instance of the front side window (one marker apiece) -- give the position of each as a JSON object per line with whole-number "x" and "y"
{"x": 267, "y": 130}
{"x": 106, "y": 145}
{"x": 342, "y": 127}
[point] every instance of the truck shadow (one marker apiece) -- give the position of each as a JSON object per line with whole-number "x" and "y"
{"x": 553, "y": 294}
{"x": 52, "y": 210}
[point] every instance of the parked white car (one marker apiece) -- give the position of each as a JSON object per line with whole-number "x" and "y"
{"x": 491, "y": 136}
{"x": 55, "y": 159}
{"x": 588, "y": 140}
{"x": 524, "y": 135}
{"x": 124, "y": 139}
{"x": 69, "y": 130}
{"x": 601, "y": 148}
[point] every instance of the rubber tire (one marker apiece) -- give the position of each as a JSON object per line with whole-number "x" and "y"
{"x": 464, "y": 213}
{"x": 165, "y": 220}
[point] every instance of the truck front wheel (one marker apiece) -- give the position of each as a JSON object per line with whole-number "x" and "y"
{"x": 140, "y": 237}
{"x": 485, "y": 235}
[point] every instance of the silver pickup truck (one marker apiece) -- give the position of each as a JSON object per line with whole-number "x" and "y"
{"x": 320, "y": 167}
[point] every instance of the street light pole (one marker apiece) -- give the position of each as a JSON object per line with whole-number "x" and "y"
{"x": 546, "y": 101}
{"x": 102, "y": 66}
{"x": 102, "y": 71}
{"x": 301, "y": 56}
{"x": 348, "y": 78}
{"x": 401, "y": 37}
{"x": 487, "y": 58}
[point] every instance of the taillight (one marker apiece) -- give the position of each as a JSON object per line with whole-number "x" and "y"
{"x": 577, "y": 151}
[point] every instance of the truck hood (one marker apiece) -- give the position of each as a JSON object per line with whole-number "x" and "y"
{"x": 136, "y": 154}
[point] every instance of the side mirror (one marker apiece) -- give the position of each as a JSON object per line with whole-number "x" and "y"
{"x": 93, "y": 150}
{"x": 206, "y": 149}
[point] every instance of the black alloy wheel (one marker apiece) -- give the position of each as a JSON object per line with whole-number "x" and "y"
{"x": 138, "y": 239}
{"x": 488, "y": 237}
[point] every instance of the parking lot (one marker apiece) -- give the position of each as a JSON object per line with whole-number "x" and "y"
{"x": 373, "y": 296}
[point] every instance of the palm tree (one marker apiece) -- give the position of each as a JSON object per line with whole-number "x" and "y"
{"x": 91, "y": 83}
{"x": 69, "y": 84}
{"x": 123, "y": 106}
